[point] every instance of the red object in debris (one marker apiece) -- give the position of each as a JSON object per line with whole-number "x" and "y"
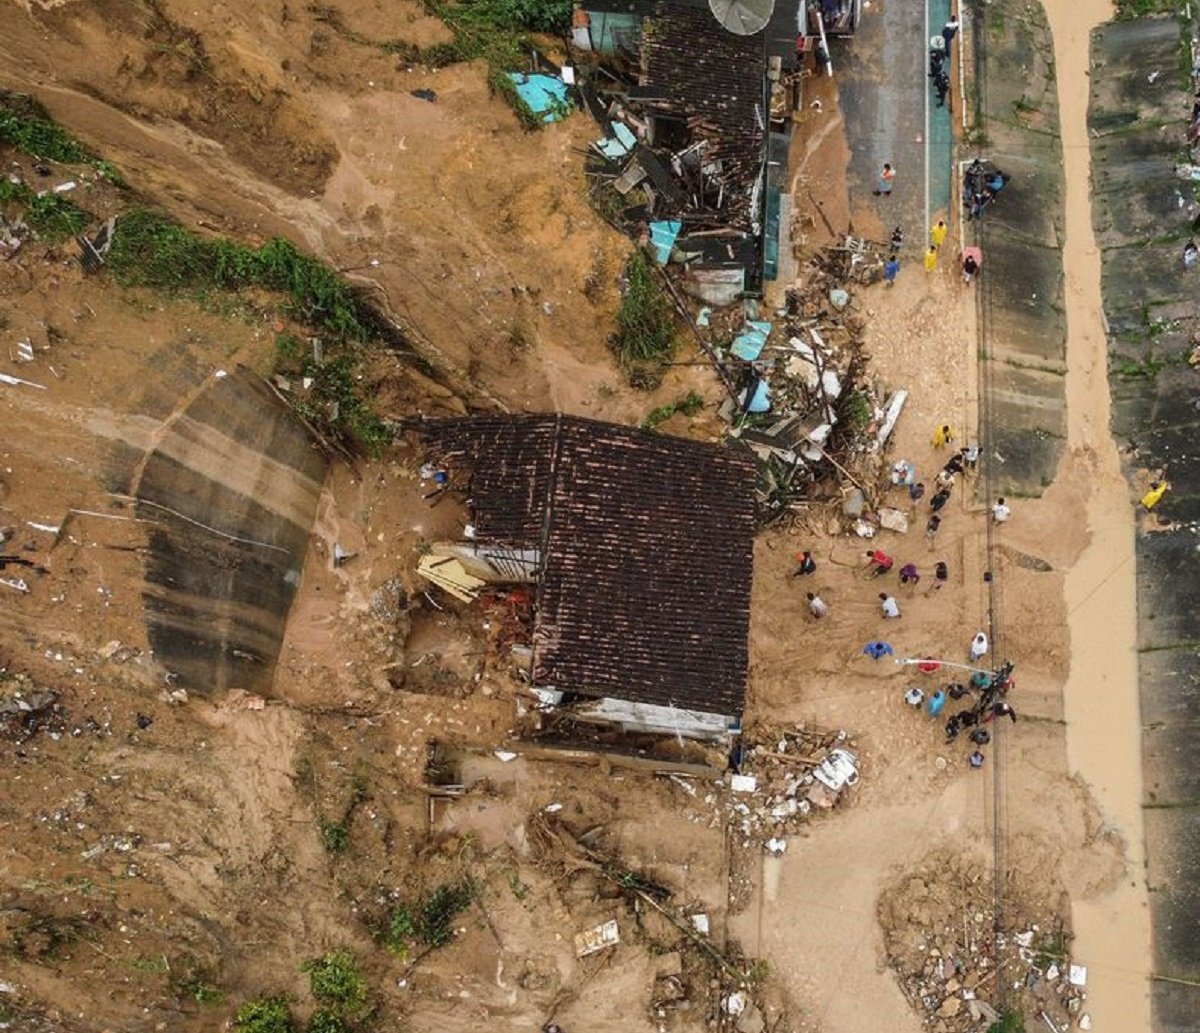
{"x": 928, "y": 665}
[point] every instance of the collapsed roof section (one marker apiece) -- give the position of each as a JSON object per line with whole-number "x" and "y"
{"x": 715, "y": 81}
{"x": 646, "y": 546}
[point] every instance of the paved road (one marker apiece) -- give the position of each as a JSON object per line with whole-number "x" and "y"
{"x": 892, "y": 116}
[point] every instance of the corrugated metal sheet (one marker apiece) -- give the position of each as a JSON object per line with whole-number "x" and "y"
{"x": 648, "y": 546}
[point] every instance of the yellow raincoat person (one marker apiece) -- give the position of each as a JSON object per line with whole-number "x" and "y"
{"x": 943, "y": 435}
{"x": 1157, "y": 490}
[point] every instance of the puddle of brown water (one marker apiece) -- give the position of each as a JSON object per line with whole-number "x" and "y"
{"x": 1101, "y": 695}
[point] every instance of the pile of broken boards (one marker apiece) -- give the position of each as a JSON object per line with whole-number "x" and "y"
{"x": 692, "y": 204}
{"x": 939, "y": 933}
{"x": 697, "y": 978}
{"x": 804, "y": 406}
{"x": 786, "y": 776}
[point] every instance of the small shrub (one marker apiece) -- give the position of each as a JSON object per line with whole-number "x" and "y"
{"x": 645, "y": 376}
{"x": 502, "y": 86}
{"x": 645, "y": 319}
{"x": 439, "y": 55}
{"x": 858, "y": 408}
{"x": 289, "y": 348}
{"x": 689, "y": 405}
{"x": 336, "y": 982}
{"x": 429, "y": 922}
{"x": 265, "y": 1015}
{"x": 435, "y": 920}
{"x": 324, "y": 1020}
{"x": 53, "y": 217}
{"x": 200, "y": 991}
{"x": 360, "y": 788}
{"x": 1009, "y": 1022}
{"x": 335, "y": 836}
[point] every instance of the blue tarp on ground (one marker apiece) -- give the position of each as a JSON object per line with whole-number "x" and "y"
{"x": 760, "y": 400}
{"x": 620, "y": 146}
{"x": 750, "y": 342}
{"x": 662, "y": 237}
{"x": 546, "y": 95}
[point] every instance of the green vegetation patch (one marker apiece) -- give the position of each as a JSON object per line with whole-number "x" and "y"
{"x": 325, "y": 1020}
{"x": 336, "y": 982}
{"x": 1127, "y": 10}
{"x": 51, "y": 217}
{"x": 25, "y": 125}
{"x": 265, "y": 1015}
{"x": 495, "y": 31}
{"x": 335, "y": 836}
{"x": 429, "y": 921}
{"x": 152, "y": 250}
{"x": 1009, "y": 1022}
{"x": 646, "y": 330}
{"x": 689, "y": 405}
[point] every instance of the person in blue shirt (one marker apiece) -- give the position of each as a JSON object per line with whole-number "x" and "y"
{"x": 878, "y": 650}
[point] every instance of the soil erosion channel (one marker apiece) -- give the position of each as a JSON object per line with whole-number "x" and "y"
{"x": 1101, "y": 696}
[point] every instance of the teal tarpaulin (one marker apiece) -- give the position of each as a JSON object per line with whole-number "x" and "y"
{"x": 750, "y": 342}
{"x": 662, "y": 238}
{"x": 546, "y": 95}
{"x": 760, "y": 400}
{"x": 619, "y": 147}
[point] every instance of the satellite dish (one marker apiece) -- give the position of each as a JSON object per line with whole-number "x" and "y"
{"x": 742, "y": 17}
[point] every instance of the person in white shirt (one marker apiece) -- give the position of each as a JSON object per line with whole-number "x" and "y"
{"x": 979, "y": 646}
{"x": 817, "y": 606}
{"x": 889, "y": 605}
{"x": 1000, "y": 511}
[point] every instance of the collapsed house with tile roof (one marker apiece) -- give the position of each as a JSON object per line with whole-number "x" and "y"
{"x": 696, "y": 122}
{"x": 640, "y": 548}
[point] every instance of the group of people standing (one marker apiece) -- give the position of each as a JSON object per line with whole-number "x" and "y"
{"x": 981, "y": 181}
{"x": 964, "y": 460}
{"x": 985, "y": 692}
{"x": 939, "y": 60}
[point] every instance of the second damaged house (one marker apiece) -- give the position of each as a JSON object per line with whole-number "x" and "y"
{"x": 695, "y": 103}
{"x": 639, "y": 548}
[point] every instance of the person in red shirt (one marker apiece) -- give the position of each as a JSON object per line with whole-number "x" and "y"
{"x": 880, "y": 560}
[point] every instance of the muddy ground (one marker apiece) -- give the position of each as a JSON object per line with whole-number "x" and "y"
{"x": 171, "y": 852}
